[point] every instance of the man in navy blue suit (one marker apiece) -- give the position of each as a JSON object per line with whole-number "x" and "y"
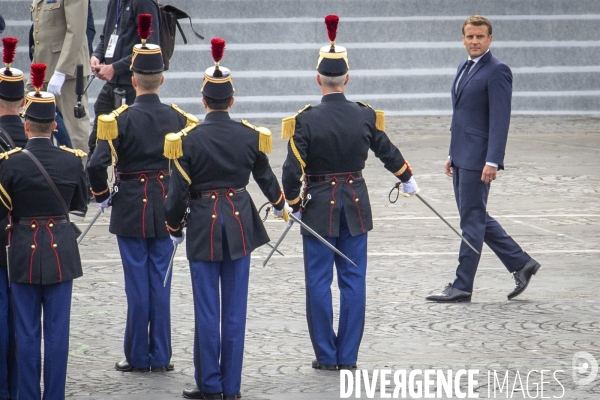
{"x": 481, "y": 101}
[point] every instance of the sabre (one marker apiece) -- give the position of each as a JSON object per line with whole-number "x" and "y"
{"x": 325, "y": 242}
{"x": 276, "y": 245}
{"x": 80, "y": 238}
{"x": 446, "y": 222}
{"x": 170, "y": 265}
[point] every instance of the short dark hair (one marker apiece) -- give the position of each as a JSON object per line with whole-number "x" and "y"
{"x": 148, "y": 82}
{"x": 217, "y": 105}
{"x": 40, "y": 128}
{"x": 477, "y": 20}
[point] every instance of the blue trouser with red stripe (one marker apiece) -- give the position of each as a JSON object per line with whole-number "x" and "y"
{"x": 8, "y": 360}
{"x": 220, "y": 323}
{"x": 30, "y": 301}
{"x": 148, "y": 329}
{"x": 332, "y": 349}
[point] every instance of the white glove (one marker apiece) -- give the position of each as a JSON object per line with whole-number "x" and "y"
{"x": 178, "y": 240}
{"x": 410, "y": 188}
{"x": 104, "y": 205}
{"x": 297, "y": 214}
{"x": 279, "y": 213}
{"x": 56, "y": 82}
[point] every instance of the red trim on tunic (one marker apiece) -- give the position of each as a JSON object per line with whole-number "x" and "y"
{"x": 37, "y": 228}
{"x": 143, "y": 176}
{"x": 212, "y": 227}
{"x": 238, "y": 220}
{"x": 160, "y": 181}
{"x": 333, "y": 205}
{"x": 55, "y": 252}
{"x": 362, "y": 227}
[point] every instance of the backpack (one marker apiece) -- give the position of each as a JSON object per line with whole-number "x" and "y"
{"x": 168, "y": 26}
{"x": 169, "y": 16}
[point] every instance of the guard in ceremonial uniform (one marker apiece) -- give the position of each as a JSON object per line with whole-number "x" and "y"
{"x": 323, "y": 182}
{"x": 43, "y": 255}
{"x": 132, "y": 137}
{"x": 212, "y": 166}
{"x": 12, "y": 135}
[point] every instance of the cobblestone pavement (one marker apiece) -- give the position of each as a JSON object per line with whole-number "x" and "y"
{"x": 548, "y": 199}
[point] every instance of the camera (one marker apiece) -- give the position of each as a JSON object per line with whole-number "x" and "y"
{"x": 79, "y": 110}
{"x": 120, "y": 96}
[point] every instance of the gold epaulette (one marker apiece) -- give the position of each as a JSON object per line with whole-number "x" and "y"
{"x": 192, "y": 120}
{"x": 288, "y": 124}
{"x": 265, "y": 141}
{"x": 379, "y": 116}
{"x": 8, "y": 153}
{"x": 108, "y": 129}
{"x": 77, "y": 152}
{"x": 173, "y": 145}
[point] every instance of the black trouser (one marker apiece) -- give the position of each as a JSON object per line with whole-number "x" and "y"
{"x": 105, "y": 103}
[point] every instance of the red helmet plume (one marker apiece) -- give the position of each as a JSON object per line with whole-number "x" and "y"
{"x": 9, "y": 49}
{"x": 217, "y": 48}
{"x": 144, "y": 25}
{"x": 331, "y": 21}
{"x": 38, "y": 74}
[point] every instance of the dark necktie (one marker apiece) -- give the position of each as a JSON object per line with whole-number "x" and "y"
{"x": 464, "y": 75}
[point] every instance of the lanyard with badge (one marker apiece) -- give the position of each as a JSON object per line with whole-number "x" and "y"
{"x": 112, "y": 43}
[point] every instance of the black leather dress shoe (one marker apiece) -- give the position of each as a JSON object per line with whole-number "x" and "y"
{"x": 347, "y": 366}
{"x": 196, "y": 393}
{"x": 124, "y": 366}
{"x": 169, "y": 367}
{"x": 523, "y": 276}
{"x": 232, "y": 396}
{"x": 317, "y": 365}
{"x": 451, "y": 295}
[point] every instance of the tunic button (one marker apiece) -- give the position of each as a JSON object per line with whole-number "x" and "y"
{"x": 144, "y": 200}
{"x": 39, "y": 8}
{"x": 33, "y": 246}
{"x": 350, "y": 181}
{"x": 55, "y": 245}
{"x": 356, "y": 200}
{"x": 213, "y": 197}
{"x": 142, "y": 180}
{"x": 237, "y": 213}
{"x": 32, "y": 226}
{"x": 230, "y": 194}
{"x": 37, "y": 20}
{"x": 333, "y": 183}
{"x": 37, "y": 42}
{"x": 36, "y": 31}
{"x": 50, "y": 225}
{"x": 332, "y": 202}
{"x": 161, "y": 176}
{"x": 214, "y": 216}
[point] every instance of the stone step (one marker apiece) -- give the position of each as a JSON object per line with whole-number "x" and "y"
{"x": 218, "y": 9}
{"x": 370, "y": 29}
{"x": 397, "y": 55}
{"x": 376, "y": 82}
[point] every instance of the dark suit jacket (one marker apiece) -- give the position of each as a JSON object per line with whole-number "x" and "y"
{"x": 481, "y": 114}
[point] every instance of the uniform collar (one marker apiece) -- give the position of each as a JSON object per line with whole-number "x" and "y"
{"x": 336, "y": 96}
{"x": 217, "y": 116}
{"x": 39, "y": 142}
{"x": 147, "y": 98}
{"x": 11, "y": 119}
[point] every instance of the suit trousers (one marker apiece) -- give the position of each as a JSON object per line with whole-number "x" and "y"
{"x": 329, "y": 348}
{"x": 147, "y": 340}
{"x": 8, "y": 360}
{"x": 54, "y": 302}
{"x": 220, "y": 324}
{"x": 478, "y": 226}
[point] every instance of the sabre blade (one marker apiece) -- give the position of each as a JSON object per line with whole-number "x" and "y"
{"x": 274, "y": 248}
{"x": 170, "y": 265}
{"x": 80, "y": 238}
{"x": 325, "y": 242}
{"x": 446, "y": 222}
